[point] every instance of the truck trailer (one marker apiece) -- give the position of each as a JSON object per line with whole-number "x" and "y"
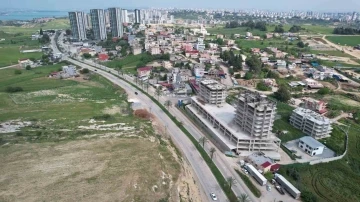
{"x": 256, "y": 175}
{"x": 293, "y": 191}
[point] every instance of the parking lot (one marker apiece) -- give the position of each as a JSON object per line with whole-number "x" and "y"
{"x": 293, "y": 146}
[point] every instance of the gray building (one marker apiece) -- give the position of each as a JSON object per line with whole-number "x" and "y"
{"x": 212, "y": 92}
{"x": 137, "y": 16}
{"x": 255, "y": 114}
{"x": 98, "y": 23}
{"x": 115, "y": 16}
{"x": 78, "y": 25}
{"x": 221, "y": 120}
{"x": 311, "y": 123}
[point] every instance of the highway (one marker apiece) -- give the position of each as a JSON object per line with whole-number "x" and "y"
{"x": 207, "y": 181}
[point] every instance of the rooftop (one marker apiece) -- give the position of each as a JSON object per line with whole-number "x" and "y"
{"x": 313, "y": 116}
{"x": 213, "y": 85}
{"x": 311, "y": 142}
{"x": 257, "y": 100}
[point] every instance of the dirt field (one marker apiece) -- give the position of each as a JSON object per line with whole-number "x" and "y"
{"x": 116, "y": 169}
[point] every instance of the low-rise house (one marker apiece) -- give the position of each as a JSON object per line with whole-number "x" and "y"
{"x": 24, "y": 62}
{"x": 311, "y": 83}
{"x": 192, "y": 54}
{"x": 281, "y": 64}
{"x": 69, "y": 70}
{"x": 311, "y": 146}
{"x": 155, "y": 50}
{"x": 103, "y": 57}
{"x": 230, "y": 42}
{"x": 315, "y": 105}
{"x": 136, "y": 50}
{"x": 144, "y": 72}
{"x": 220, "y": 36}
{"x": 167, "y": 64}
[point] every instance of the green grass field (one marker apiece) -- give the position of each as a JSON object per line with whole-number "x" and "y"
{"x": 345, "y": 40}
{"x": 129, "y": 63}
{"x": 308, "y": 29}
{"x": 11, "y": 55}
{"x": 333, "y": 181}
{"x": 32, "y": 28}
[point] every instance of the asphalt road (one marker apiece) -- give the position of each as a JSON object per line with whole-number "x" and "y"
{"x": 205, "y": 177}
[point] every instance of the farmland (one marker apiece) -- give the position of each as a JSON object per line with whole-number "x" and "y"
{"x": 32, "y": 28}
{"x": 345, "y": 40}
{"x": 80, "y": 139}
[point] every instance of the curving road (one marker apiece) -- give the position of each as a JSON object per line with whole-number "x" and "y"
{"x": 208, "y": 182}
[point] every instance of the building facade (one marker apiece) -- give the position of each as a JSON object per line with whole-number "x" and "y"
{"x": 311, "y": 146}
{"x": 124, "y": 16}
{"x": 78, "y": 25}
{"x": 311, "y": 123}
{"x": 137, "y": 16}
{"x": 255, "y": 114}
{"x": 98, "y": 24}
{"x": 212, "y": 92}
{"x": 116, "y": 25}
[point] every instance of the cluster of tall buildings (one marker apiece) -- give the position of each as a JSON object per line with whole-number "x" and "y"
{"x": 98, "y": 20}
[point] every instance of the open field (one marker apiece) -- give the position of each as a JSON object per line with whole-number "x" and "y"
{"x": 80, "y": 138}
{"x": 332, "y": 53}
{"x": 345, "y": 40}
{"x": 334, "y": 181}
{"x": 32, "y": 28}
{"x": 12, "y": 45}
{"x": 128, "y": 63}
{"x": 309, "y": 29}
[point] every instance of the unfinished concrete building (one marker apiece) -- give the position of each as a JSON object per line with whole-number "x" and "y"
{"x": 255, "y": 114}
{"x": 311, "y": 123}
{"x": 212, "y": 92}
{"x": 253, "y": 133}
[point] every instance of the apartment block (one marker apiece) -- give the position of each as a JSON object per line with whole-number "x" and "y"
{"x": 255, "y": 114}
{"x": 137, "y": 16}
{"x": 115, "y": 16}
{"x": 311, "y": 123}
{"x": 212, "y": 92}
{"x": 78, "y": 25}
{"x": 98, "y": 23}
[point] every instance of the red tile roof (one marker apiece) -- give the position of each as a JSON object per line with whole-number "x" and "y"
{"x": 275, "y": 167}
{"x": 266, "y": 164}
{"x": 103, "y": 57}
{"x": 192, "y": 52}
{"x": 147, "y": 68}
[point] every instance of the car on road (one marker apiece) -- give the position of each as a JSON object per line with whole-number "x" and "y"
{"x": 136, "y": 93}
{"x": 95, "y": 70}
{"x": 213, "y": 196}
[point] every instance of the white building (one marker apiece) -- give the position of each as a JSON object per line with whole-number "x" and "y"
{"x": 69, "y": 70}
{"x": 124, "y": 16}
{"x": 116, "y": 25}
{"x": 78, "y": 25}
{"x": 311, "y": 146}
{"x": 311, "y": 123}
{"x": 98, "y": 24}
{"x": 155, "y": 50}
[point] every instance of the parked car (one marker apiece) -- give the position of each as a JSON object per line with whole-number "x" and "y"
{"x": 280, "y": 190}
{"x": 213, "y": 196}
{"x": 136, "y": 93}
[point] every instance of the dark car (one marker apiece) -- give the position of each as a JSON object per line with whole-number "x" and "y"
{"x": 136, "y": 93}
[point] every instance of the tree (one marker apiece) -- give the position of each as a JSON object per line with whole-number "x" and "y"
{"x": 279, "y": 29}
{"x": 283, "y": 94}
{"x": 300, "y": 44}
{"x": 28, "y": 67}
{"x": 167, "y": 104}
{"x": 84, "y": 71}
{"x": 119, "y": 68}
{"x": 295, "y": 28}
{"x": 254, "y": 64}
{"x": 202, "y": 141}
{"x": 248, "y": 76}
{"x": 230, "y": 181}
{"x": 68, "y": 32}
{"x": 243, "y": 198}
{"x": 41, "y": 31}
{"x": 158, "y": 92}
{"x": 87, "y": 55}
{"x": 44, "y": 39}
{"x": 212, "y": 151}
{"x": 324, "y": 91}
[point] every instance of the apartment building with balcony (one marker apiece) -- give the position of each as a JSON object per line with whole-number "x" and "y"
{"x": 311, "y": 123}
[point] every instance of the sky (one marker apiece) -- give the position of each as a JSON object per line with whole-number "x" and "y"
{"x": 276, "y": 5}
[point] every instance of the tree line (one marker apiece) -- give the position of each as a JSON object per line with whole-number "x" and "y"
{"x": 346, "y": 31}
{"x": 261, "y": 25}
{"x": 234, "y": 60}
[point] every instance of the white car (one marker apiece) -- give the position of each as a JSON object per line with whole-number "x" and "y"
{"x": 213, "y": 196}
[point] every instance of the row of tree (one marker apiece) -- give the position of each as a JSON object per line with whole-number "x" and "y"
{"x": 249, "y": 24}
{"x": 346, "y": 31}
{"x": 234, "y": 60}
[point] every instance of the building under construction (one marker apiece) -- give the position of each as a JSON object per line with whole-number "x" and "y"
{"x": 244, "y": 129}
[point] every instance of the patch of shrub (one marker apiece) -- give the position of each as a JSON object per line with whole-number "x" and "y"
{"x": 102, "y": 117}
{"x": 11, "y": 89}
{"x": 17, "y": 71}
